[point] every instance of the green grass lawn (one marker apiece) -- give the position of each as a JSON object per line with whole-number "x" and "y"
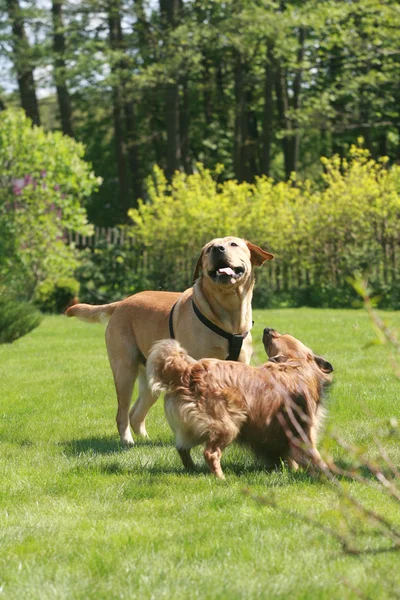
{"x": 82, "y": 518}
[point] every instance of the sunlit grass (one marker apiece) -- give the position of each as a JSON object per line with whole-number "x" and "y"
{"x": 81, "y": 517}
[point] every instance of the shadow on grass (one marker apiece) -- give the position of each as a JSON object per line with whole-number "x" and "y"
{"x": 278, "y": 476}
{"x": 106, "y": 445}
{"x": 147, "y": 466}
{"x": 362, "y": 470}
{"x": 111, "y": 446}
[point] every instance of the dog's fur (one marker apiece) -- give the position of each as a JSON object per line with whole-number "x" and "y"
{"x": 223, "y": 289}
{"x": 214, "y": 402}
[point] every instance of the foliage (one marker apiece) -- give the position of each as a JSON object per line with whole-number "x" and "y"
{"x": 319, "y": 237}
{"x": 111, "y": 272}
{"x": 16, "y": 318}
{"x": 262, "y": 87}
{"x": 43, "y": 186}
{"x": 55, "y": 296}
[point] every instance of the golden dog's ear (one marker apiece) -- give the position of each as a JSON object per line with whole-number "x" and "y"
{"x": 198, "y": 266}
{"x": 323, "y": 364}
{"x": 257, "y": 255}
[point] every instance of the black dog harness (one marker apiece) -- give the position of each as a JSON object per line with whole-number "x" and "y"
{"x": 235, "y": 340}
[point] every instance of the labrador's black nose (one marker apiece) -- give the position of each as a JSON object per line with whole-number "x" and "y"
{"x": 219, "y": 249}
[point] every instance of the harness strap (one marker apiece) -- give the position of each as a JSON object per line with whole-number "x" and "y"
{"x": 235, "y": 340}
{"x": 171, "y": 323}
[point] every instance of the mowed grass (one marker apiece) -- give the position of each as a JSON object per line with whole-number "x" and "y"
{"x": 82, "y": 518}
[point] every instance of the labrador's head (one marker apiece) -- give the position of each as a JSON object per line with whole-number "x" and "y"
{"x": 230, "y": 260}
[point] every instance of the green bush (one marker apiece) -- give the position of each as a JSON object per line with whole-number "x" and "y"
{"x": 319, "y": 237}
{"x": 110, "y": 273}
{"x": 54, "y": 297}
{"x": 44, "y": 183}
{"x": 16, "y": 318}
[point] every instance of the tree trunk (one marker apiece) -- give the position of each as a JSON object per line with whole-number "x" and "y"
{"x": 252, "y": 158}
{"x": 285, "y": 123}
{"x": 291, "y": 137}
{"x": 184, "y": 127}
{"x": 172, "y": 128}
{"x": 170, "y": 15}
{"x": 133, "y": 154}
{"x": 221, "y": 99}
{"x": 148, "y": 48}
{"x": 115, "y": 39}
{"x": 240, "y": 133}
{"x": 207, "y": 91}
{"x": 23, "y": 63}
{"x": 64, "y": 101}
{"x": 268, "y": 116}
{"x": 382, "y": 144}
{"x": 295, "y": 142}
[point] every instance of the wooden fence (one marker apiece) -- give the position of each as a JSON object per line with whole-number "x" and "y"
{"x": 112, "y": 235}
{"x": 165, "y": 268}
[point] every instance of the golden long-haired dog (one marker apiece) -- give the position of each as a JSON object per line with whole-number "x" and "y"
{"x": 275, "y": 408}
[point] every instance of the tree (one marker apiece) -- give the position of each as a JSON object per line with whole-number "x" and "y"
{"x": 171, "y": 12}
{"x": 22, "y": 58}
{"x": 121, "y": 146}
{"x": 60, "y": 69}
{"x": 262, "y": 87}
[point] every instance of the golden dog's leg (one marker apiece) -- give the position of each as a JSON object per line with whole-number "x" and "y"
{"x": 125, "y": 370}
{"x": 292, "y": 464}
{"x": 213, "y": 457}
{"x": 309, "y": 459}
{"x": 187, "y": 461}
{"x": 142, "y": 405}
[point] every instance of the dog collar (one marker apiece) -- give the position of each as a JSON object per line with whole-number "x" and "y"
{"x": 235, "y": 340}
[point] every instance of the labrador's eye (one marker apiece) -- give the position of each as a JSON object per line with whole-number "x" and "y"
{"x": 234, "y": 244}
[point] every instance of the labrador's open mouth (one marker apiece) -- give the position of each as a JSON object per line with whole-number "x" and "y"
{"x": 224, "y": 273}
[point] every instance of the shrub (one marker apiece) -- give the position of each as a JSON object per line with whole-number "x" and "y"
{"x": 110, "y": 272}
{"x": 16, "y": 318}
{"x": 53, "y": 296}
{"x": 319, "y": 236}
{"x": 43, "y": 184}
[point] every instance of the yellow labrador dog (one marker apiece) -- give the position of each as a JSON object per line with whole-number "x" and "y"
{"x": 210, "y": 320}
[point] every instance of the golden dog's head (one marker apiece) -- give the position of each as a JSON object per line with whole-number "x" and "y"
{"x": 283, "y": 347}
{"x": 229, "y": 261}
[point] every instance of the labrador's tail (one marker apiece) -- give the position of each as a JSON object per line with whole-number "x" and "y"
{"x": 92, "y": 313}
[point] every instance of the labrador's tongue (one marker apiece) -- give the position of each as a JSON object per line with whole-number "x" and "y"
{"x": 226, "y": 271}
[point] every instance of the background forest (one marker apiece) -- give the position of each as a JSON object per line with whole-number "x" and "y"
{"x": 265, "y": 89}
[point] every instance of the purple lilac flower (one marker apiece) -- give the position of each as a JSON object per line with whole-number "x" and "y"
{"x": 17, "y": 186}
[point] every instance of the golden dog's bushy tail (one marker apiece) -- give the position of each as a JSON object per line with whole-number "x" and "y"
{"x": 92, "y": 313}
{"x": 166, "y": 365}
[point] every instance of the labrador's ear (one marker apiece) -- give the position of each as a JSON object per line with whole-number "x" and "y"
{"x": 279, "y": 358}
{"x": 257, "y": 255}
{"x": 198, "y": 266}
{"x": 323, "y": 364}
